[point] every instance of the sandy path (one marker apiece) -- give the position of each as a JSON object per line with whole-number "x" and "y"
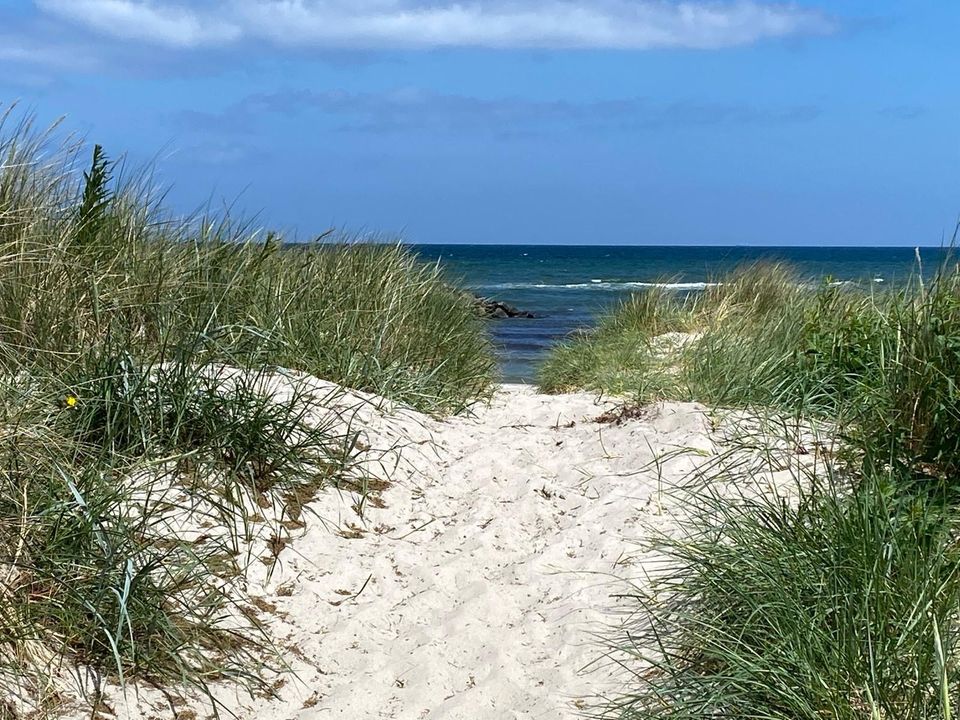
{"x": 485, "y": 575}
{"x": 475, "y": 591}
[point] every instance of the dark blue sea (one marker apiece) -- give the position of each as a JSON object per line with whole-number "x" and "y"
{"x": 567, "y": 286}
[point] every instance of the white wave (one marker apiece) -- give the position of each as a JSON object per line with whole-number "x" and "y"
{"x": 602, "y": 284}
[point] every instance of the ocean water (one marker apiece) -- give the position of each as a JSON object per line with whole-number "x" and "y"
{"x": 567, "y": 286}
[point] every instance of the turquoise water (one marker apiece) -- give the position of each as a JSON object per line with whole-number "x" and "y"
{"x": 567, "y": 286}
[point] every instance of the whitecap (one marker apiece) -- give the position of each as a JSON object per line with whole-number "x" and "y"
{"x": 602, "y": 284}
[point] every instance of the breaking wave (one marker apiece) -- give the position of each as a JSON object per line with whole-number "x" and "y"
{"x": 602, "y": 284}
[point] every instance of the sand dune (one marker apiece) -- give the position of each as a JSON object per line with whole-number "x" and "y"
{"x": 476, "y": 591}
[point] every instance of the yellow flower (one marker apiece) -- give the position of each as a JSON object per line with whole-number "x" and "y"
{"x": 71, "y": 401}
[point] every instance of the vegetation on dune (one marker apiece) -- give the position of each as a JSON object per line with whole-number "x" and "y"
{"x": 130, "y": 511}
{"x": 155, "y": 434}
{"x": 620, "y": 355}
{"x": 102, "y": 263}
{"x": 882, "y": 363}
{"x": 841, "y": 604}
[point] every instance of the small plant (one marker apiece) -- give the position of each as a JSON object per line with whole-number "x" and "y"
{"x": 92, "y": 215}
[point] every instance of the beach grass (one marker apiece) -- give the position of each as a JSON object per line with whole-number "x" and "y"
{"x": 128, "y": 521}
{"x": 841, "y": 602}
{"x": 881, "y": 363}
{"x": 620, "y": 355}
{"x": 97, "y": 259}
{"x": 157, "y": 433}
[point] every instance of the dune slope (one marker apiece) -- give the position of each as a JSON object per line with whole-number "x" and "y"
{"x": 474, "y": 592}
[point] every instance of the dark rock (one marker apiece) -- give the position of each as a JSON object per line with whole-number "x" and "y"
{"x": 500, "y": 311}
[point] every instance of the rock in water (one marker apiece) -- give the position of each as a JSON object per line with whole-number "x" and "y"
{"x": 499, "y": 310}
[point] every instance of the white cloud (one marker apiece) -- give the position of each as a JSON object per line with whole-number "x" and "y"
{"x": 18, "y": 50}
{"x": 164, "y": 23}
{"x": 623, "y": 24}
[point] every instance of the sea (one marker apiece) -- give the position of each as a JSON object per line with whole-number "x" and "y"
{"x": 566, "y": 286}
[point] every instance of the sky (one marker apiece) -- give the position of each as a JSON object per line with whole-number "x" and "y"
{"x": 700, "y": 122}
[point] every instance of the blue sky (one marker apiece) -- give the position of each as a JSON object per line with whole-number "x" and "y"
{"x": 567, "y": 121}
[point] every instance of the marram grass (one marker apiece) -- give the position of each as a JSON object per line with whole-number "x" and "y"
{"x": 139, "y": 361}
{"x": 96, "y": 259}
{"x": 882, "y": 363}
{"x": 843, "y": 603}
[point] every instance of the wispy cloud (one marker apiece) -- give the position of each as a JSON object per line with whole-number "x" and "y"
{"x": 50, "y": 55}
{"x": 903, "y": 112}
{"x": 620, "y": 24}
{"x": 164, "y": 23}
{"x": 415, "y": 109}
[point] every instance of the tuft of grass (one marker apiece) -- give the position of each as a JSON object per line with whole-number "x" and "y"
{"x": 631, "y": 351}
{"x": 621, "y": 355}
{"x": 126, "y": 506}
{"x": 841, "y": 603}
{"x": 102, "y": 261}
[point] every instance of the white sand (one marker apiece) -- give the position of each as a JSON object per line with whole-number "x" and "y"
{"x": 476, "y": 591}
